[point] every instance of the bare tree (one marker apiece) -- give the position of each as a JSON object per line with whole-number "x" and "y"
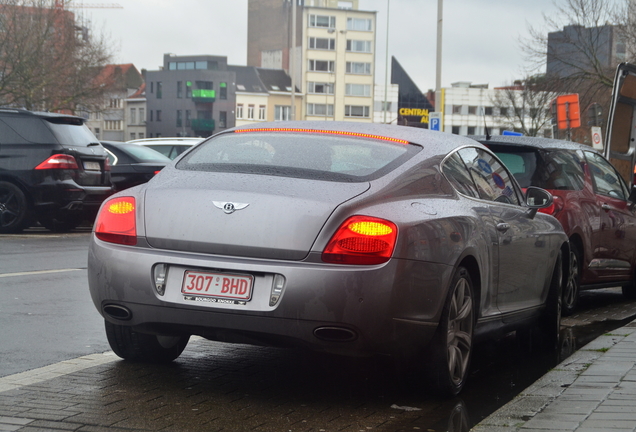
{"x": 48, "y": 61}
{"x": 525, "y": 105}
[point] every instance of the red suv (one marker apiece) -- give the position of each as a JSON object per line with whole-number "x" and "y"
{"x": 591, "y": 201}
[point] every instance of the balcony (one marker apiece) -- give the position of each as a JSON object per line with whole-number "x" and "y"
{"x": 203, "y": 125}
{"x": 203, "y": 96}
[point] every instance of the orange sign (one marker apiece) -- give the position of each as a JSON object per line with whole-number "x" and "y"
{"x": 568, "y": 112}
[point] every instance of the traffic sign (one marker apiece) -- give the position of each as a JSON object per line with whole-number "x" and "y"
{"x": 435, "y": 121}
{"x": 597, "y": 140}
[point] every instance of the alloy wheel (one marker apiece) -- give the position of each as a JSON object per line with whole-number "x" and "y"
{"x": 460, "y": 331}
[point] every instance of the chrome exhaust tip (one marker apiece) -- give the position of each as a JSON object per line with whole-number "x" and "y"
{"x": 117, "y": 312}
{"x": 335, "y": 334}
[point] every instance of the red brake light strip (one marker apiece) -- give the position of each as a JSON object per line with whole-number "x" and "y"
{"x": 361, "y": 135}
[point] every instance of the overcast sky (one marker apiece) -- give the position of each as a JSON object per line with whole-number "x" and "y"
{"x": 480, "y": 37}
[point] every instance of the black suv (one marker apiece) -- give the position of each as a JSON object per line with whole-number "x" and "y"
{"x": 52, "y": 169}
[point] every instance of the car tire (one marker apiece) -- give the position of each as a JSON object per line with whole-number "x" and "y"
{"x": 14, "y": 208}
{"x": 629, "y": 291}
{"x": 452, "y": 345}
{"x": 571, "y": 290}
{"x": 550, "y": 321}
{"x": 149, "y": 348}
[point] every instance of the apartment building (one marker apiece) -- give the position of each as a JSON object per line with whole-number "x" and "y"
{"x": 334, "y": 54}
{"x": 190, "y": 96}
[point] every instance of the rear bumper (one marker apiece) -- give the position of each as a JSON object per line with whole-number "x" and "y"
{"x": 67, "y": 197}
{"x": 348, "y": 310}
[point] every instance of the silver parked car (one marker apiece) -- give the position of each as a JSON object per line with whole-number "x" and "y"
{"x": 347, "y": 238}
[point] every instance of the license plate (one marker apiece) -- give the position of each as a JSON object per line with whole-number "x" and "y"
{"x": 217, "y": 285}
{"x": 93, "y": 166}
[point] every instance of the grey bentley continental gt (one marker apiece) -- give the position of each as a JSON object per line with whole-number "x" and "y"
{"x": 340, "y": 237}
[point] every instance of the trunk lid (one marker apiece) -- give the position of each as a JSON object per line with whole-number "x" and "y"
{"x": 274, "y": 217}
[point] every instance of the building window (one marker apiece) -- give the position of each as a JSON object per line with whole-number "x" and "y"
{"x": 179, "y": 118}
{"x": 472, "y": 109}
{"x": 133, "y": 116}
{"x": 152, "y": 87}
{"x": 359, "y": 68}
{"x": 222, "y": 119}
{"x": 457, "y": 109}
{"x": 205, "y": 85}
{"x": 141, "y": 135}
{"x": 239, "y": 111}
{"x": 322, "y": 65}
{"x": 319, "y": 109}
{"x": 358, "y": 90}
{"x": 188, "y": 89}
{"x": 142, "y": 115}
{"x": 188, "y": 116}
{"x": 456, "y": 130}
{"x": 359, "y": 46}
{"x": 471, "y": 130}
{"x": 356, "y": 111}
{"x": 159, "y": 90}
{"x": 325, "y": 21}
{"x": 151, "y": 114}
{"x": 322, "y": 43}
{"x": 158, "y": 115}
{"x": 223, "y": 91}
{"x": 360, "y": 24}
{"x": 179, "y": 89}
{"x": 132, "y": 136}
{"x": 319, "y": 87}
{"x": 250, "y": 112}
{"x": 488, "y": 110}
{"x": 112, "y": 125}
{"x": 261, "y": 112}
{"x": 115, "y": 103}
{"x": 282, "y": 112}
{"x": 97, "y": 131}
{"x": 503, "y": 111}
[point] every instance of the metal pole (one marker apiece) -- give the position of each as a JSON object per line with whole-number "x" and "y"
{"x": 292, "y": 59}
{"x": 438, "y": 69}
{"x": 386, "y": 69}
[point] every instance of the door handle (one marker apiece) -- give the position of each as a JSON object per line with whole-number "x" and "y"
{"x": 503, "y": 227}
{"x": 606, "y": 207}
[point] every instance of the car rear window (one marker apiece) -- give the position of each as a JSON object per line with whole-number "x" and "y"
{"x": 304, "y": 155}
{"x": 549, "y": 169}
{"x": 144, "y": 154}
{"x": 72, "y": 134}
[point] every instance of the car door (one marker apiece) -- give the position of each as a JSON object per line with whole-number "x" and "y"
{"x": 522, "y": 244}
{"x": 615, "y": 237}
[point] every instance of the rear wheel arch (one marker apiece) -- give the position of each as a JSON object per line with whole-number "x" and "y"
{"x": 471, "y": 264}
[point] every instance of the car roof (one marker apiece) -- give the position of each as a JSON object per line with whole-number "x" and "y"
{"x": 527, "y": 141}
{"x": 167, "y": 141}
{"x": 433, "y": 142}
{"x": 41, "y": 114}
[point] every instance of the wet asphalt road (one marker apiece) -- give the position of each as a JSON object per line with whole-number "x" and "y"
{"x": 46, "y": 316}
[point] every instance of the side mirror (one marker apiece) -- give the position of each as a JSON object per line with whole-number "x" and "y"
{"x": 537, "y": 198}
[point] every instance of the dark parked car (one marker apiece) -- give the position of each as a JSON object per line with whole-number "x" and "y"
{"x": 52, "y": 169}
{"x": 591, "y": 201}
{"x": 131, "y": 164}
{"x": 355, "y": 240}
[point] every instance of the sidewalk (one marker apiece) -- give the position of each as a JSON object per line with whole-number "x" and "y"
{"x": 592, "y": 390}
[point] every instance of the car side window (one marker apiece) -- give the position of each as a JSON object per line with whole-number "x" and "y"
{"x": 457, "y": 174}
{"x": 493, "y": 180}
{"x": 563, "y": 170}
{"x": 606, "y": 179}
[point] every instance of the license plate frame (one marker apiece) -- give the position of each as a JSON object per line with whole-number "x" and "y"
{"x": 217, "y": 286}
{"x": 92, "y": 166}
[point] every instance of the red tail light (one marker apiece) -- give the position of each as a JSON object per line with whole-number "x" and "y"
{"x": 59, "y": 161}
{"x": 361, "y": 240}
{"x": 106, "y": 165}
{"x": 556, "y": 207}
{"x": 116, "y": 222}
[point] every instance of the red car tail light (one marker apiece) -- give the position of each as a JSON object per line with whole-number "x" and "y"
{"x": 361, "y": 240}
{"x": 59, "y": 161}
{"x": 106, "y": 165}
{"x": 556, "y": 207}
{"x": 116, "y": 222}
